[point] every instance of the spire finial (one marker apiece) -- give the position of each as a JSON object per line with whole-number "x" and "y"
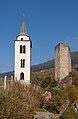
{"x": 23, "y": 15}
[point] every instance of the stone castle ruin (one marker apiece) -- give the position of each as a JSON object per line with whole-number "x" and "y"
{"x": 62, "y": 61}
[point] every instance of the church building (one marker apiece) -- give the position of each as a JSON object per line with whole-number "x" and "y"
{"x": 22, "y": 55}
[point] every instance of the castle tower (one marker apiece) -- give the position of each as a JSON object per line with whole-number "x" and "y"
{"x": 62, "y": 61}
{"x": 22, "y": 55}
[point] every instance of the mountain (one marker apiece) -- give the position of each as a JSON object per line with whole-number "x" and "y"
{"x": 74, "y": 57}
{"x": 46, "y": 65}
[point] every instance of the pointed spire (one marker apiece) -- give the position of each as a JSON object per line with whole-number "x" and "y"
{"x": 23, "y": 30}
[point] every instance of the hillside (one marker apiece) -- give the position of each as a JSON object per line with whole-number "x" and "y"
{"x": 46, "y": 65}
{"x": 74, "y": 56}
{"x": 59, "y": 100}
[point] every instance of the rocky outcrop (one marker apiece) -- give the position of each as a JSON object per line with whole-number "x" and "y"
{"x": 48, "y": 115}
{"x": 46, "y": 96}
{"x": 75, "y": 106}
{"x": 43, "y": 115}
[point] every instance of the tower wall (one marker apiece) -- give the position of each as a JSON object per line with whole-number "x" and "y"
{"x": 25, "y": 56}
{"x": 62, "y": 61}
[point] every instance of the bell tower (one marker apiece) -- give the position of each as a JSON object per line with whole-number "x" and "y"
{"x": 22, "y": 55}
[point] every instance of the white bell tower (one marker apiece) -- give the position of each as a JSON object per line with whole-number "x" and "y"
{"x": 22, "y": 55}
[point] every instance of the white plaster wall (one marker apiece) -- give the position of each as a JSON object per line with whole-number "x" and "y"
{"x": 24, "y": 37}
{"x": 19, "y": 56}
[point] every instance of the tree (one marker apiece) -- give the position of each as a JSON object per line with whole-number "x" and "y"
{"x": 45, "y": 82}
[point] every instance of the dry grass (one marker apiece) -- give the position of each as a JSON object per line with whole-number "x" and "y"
{"x": 18, "y": 102}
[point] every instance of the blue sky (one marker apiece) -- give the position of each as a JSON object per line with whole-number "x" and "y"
{"x": 48, "y": 22}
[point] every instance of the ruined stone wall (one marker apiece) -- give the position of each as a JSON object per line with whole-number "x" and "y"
{"x": 62, "y": 61}
{"x": 57, "y": 63}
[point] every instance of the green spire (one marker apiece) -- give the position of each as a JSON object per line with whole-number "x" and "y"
{"x": 23, "y": 30}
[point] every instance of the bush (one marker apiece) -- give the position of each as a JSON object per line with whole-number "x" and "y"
{"x": 64, "y": 116}
{"x": 45, "y": 82}
{"x": 51, "y": 107}
{"x": 52, "y": 85}
{"x": 72, "y": 93}
{"x": 74, "y": 75}
{"x": 67, "y": 114}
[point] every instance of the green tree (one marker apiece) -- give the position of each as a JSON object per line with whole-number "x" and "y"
{"x": 72, "y": 93}
{"x": 45, "y": 82}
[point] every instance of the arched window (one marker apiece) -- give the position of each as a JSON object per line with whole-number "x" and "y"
{"x": 21, "y": 76}
{"x": 22, "y": 63}
{"x": 24, "y": 49}
{"x": 20, "y": 48}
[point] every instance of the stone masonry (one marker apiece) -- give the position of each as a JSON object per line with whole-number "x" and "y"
{"x": 62, "y": 61}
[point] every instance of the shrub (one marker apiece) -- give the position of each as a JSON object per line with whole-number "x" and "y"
{"x": 45, "y": 82}
{"x": 67, "y": 114}
{"x": 52, "y": 85}
{"x": 51, "y": 107}
{"x": 72, "y": 93}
